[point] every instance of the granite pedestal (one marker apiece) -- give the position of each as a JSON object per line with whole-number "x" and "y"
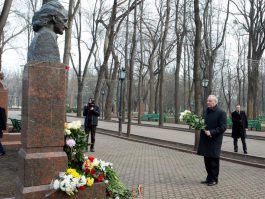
{"x": 41, "y": 156}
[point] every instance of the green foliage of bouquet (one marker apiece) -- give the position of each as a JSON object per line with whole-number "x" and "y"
{"x": 194, "y": 121}
{"x": 115, "y": 187}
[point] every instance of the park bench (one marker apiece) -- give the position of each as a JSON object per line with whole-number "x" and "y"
{"x": 262, "y": 119}
{"x": 16, "y": 125}
{"x": 254, "y": 124}
{"x": 152, "y": 117}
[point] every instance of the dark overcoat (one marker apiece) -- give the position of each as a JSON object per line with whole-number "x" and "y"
{"x": 91, "y": 116}
{"x": 215, "y": 121}
{"x": 2, "y": 121}
{"x": 240, "y": 123}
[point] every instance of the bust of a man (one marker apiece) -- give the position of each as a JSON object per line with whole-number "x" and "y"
{"x": 50, "y": 20}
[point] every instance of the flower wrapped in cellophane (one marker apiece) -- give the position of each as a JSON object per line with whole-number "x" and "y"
{"x": 194, "y": 121}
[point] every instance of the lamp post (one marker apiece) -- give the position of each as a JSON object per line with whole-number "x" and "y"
{"x": 121, "y": 75}
{"x": 204, "y": 85}
{"x": 102, "y": 102}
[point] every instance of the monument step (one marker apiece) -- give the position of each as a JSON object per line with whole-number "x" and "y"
{"x": 10, "y": 145}
{"x": 7, "y": 137}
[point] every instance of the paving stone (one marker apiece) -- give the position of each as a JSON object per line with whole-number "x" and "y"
{"x": 166, "y": 173}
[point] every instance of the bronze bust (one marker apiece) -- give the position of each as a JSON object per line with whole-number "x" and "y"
{"x": 50, "y": 20}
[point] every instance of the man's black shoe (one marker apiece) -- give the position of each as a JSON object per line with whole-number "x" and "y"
{"x": 245, "y": 152}
{"x": 1, "y": 154}
{"x": 92, "y": 150}
{"x": 212, "y": 183}
{"x": 204, "y": 182}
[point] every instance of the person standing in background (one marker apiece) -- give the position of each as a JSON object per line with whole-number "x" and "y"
{"x": 91, "y": 112}
{"x": 3, "y": 121}
{"x": 240, "y": 125}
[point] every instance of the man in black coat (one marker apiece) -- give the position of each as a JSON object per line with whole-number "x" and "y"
{"x": 240, "y": 124}
{"x": 91, "y": 112}
{"x": 3, "y": 120}
{"x": 211, "y": 139}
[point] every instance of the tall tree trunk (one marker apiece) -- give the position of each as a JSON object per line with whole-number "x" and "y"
{"x": 152, "y": 95}
{"x": 157, "y": 94}
{"x": 180, "y": 39}
{"x": 162, "y": 65}
{"x": 132, "y": 58}
{"x": 140, "y": 85}
{"x": 72, "y": 9}
{"x": 126, "y": 55}
{"x": 111, "y": 87}
{"x": 3, "y": 18}
{"x": 108, "y": 45}
{"x": 79, "y": 97}
{"x": 197, "y": 71}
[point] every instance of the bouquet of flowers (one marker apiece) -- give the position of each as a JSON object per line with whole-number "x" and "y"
{"x": 75, "y": 144}
{"x": 85, "y": 171}
{"x": 194, "y": 121}
{"x": 69, "y": 182}
{"x": 103, "y": 171}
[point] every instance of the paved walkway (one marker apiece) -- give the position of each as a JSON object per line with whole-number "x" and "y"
{"x": 170, "y": 174}
{"x": 163, "y": 173}
{"x": 255, "y": 147}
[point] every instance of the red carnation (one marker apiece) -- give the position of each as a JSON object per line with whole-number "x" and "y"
{"x": 67, "y": 67}
{"x": 91, "y": 158}
{"x": 93, "y": 171}
{"x": 100, "y": 177}
{"x": 82, "y": 188}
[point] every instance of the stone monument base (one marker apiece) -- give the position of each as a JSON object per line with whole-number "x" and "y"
{"x": 98, "y": 191}
{"x": 41, "y": 156}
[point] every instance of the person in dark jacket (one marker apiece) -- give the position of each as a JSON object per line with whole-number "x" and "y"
{"x": 91, "y": 112}
{"x": 211, "y": 139}
{"x": 240, "y": 124}
{"x": 3, "y": 120}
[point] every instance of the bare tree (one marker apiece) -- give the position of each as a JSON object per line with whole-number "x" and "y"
{"x": 180, "y": 32}
{"x": 152, "y": 49}
{"x": 111, "y": 28}
{"x": 81, "y": 70}
{"x": 162, "y": 64}
{"x": 211, "y": 46}
{"x": 253, "y": 14}
{"x": 72, "y": 9}
{"x": 227, "y": 85}
{"x": 132, "y": 58}
{"x": 197, "y": 70}
{"x": 140, "y": 81}
{"x": 3, "y": 18}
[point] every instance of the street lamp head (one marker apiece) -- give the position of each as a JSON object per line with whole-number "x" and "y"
{"x": 122, "y": 74}
{"x": 205, "y": 83}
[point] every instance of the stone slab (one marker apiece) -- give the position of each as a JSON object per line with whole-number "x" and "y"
{"x": 97, "y": 191}
{"x": 41, "y": 157}
{"x": 40, "y": 168}
{"x": 43, "y": 105}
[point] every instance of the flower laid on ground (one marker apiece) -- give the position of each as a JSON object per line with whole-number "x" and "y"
{"x": 85, "y": 171}
{"x": 194, "y": 121}
{"x": 69, "y": 182}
